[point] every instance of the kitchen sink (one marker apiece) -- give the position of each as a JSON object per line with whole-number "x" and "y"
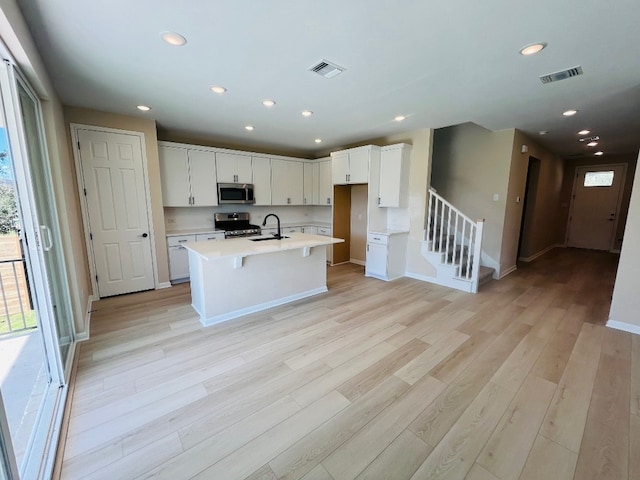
{"x": 267, "y": 238}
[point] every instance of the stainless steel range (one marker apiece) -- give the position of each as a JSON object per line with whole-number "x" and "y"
{"x": 235, "y": 225}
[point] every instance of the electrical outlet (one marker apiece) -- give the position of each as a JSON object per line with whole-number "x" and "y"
{"x": 496, "y": 197}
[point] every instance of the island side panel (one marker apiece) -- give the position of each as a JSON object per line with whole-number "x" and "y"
{"x": 227, "y": 288}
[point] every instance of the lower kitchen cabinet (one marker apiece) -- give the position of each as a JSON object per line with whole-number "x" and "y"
{"x": 179, "y": 257}
{"x": 386, "y": 255}
{"x": 327, "y": 232}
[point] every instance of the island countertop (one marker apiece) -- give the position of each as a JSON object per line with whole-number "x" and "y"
{"x": 244, "y": 247}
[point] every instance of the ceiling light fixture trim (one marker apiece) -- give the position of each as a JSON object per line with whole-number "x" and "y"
{"x": 218, "y": 89}
{"x": 307, "y": 113}
{"x": 268, "y": 103}
{"x": 569, "y": 113}
{"x": 143, "y": 108}
{"x": 532, "y": 48}
{"x": 173, "y": 38}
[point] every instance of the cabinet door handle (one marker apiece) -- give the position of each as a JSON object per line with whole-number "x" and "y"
{"x": 328, "y": 200}
{"x": 288, "y": 200}
{"x": 378, "y": 200}
{"x": 376, "y": 238}
{"x": 182, "y": 241}
{"x": 367, "y": 247}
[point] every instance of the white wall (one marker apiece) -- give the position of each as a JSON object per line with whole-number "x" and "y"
{"x": 625, "y": 304}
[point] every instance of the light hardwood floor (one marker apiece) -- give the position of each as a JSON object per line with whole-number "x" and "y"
{"x": 372, "y": 380}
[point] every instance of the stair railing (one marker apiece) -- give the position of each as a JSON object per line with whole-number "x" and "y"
{"x": 455, "y": 236}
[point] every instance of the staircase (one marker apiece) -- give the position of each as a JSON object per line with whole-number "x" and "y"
{"x": 453, "y": 245}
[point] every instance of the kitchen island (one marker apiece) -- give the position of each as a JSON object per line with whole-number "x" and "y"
{"x": 235, "y": 277}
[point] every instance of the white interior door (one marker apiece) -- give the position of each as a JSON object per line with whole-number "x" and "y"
{"x": 594, "y": 210}
{"x": 113, "y": 177}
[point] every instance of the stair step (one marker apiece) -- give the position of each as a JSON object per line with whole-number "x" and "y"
{"x": 486, "y": 274}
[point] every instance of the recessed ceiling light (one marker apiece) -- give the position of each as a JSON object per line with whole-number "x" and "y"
{"x": 592, "y": 144}
{"x": 532, "y": 48}
{"x": 584, "y": 132}
{"x": 173, "y": 38}
{"x": 543, "y": 132}
{"x": 599, "y": 153}
{"x": 249, "y": 128}
{"x": 218, "y": 89}
{"x": 399, "y": 118}
{"x": 268, "y": 103}
{"x": 307, "y": 113}
{"x": 318, "y": 140}
{"x": 569, "y": 113}
{"x": 143, "y": 108}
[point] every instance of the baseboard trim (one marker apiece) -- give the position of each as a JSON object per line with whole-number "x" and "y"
{"x": 82, "y": 336}
{"x": 461, "y": 285}
{"x": 625, "y": 327}
{"x": 162, "y": 285}
{"x": 357, "y": 262}
{"x": 506, "y": 272}
{"x": 257, "y": 308}
{"x": 540, "y": 253}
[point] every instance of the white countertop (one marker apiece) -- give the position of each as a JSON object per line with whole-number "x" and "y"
{"x": 243, "y": 247}
{"x": 192, "y": 231}
{"x": 387, "y": 231}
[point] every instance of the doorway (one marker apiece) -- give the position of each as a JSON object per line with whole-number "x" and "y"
{"x": 595, "y": 206}
{"x": 38, "y": 337}
{"x": 116, "y": 207}
{"x": 350, "y": 223}
{"x": 527, "y": 224}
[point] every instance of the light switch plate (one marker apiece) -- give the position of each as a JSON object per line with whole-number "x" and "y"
{"x": 496, "y": 197}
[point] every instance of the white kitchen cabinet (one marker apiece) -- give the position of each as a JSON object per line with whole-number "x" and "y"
{"x": 352, "y": 166}
{"x": 325, "y": 185}
{"x": 310, "y": 183}
{"x": 188, "y": 177}
{"x": 394, "y": 175}
{"x": 205, "y": 237}
{"x": 234, "y": 168}
{"x": 386, "y": 255}
{"x": 310, "y": 229}
{"x": 287, "y": 180}
{"x": 262, "y": 180}
{"x": 179, "y": 257}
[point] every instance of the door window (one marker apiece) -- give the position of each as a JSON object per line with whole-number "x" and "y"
{"x": 598, "y": 179}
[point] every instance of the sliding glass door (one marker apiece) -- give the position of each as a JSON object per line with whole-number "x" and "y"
{"x": 31, "y": 452}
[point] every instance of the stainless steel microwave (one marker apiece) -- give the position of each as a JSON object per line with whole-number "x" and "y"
{"x": 235, "y": 193}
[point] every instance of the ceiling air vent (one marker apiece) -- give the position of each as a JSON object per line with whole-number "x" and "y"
{"x": 326, "y": 69}
{"x": 561, "y": 75}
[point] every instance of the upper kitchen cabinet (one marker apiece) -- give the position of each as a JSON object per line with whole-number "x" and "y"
{"x": 325, "y": 185}
{"x": 352, "y": 166}
{"x": 262, "y": 180}
{"x": 234, "y": 168}
{"x": 395, "y": 162}
{"x": 287, "y": 182}
{"x": 187, "y": 176}
{"x": 310, "y": 186}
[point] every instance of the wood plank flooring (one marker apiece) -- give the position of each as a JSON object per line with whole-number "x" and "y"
{"x": 372, "y": 380}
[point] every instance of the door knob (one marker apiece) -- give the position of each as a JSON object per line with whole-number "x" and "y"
{"x": 144, "y": 235}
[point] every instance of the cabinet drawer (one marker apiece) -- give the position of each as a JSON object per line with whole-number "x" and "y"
{"x": 203, "y": 237}
{"x": 378, "y": 238}
{"x": 180, "y": 239}
{"x": 292, "y": 230}
{"x": 324, "y": 231}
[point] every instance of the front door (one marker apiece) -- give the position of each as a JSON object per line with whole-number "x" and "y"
{"x": 116, "y": 200}
{"x": 594, "y": 211}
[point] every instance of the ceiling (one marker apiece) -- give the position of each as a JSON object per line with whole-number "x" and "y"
{"x": 437, "y": 63}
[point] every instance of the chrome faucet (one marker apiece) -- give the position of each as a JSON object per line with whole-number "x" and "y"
{"x": 279, "y": 234}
